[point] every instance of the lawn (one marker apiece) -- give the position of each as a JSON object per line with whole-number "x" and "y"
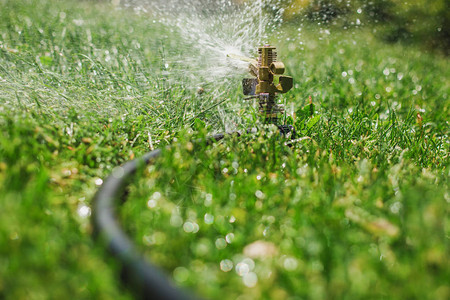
{"x": 357, "y": 208}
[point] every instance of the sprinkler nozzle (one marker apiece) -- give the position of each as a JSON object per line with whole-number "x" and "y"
{"x": 265, "y": 69}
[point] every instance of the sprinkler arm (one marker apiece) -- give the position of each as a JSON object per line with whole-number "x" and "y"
{"x": 268, "y": 81}
{"x": 263, "y": 83}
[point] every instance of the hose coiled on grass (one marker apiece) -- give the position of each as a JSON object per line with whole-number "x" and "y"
{"x": 145, "y": 279}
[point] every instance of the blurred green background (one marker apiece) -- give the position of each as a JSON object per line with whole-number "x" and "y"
{"x": 421, "y": 22}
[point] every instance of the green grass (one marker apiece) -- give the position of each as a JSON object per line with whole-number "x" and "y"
{"x": 358, "y": 208}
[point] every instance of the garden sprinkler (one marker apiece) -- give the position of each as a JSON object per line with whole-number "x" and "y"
{"x": 268, "y": 83}
{"x": 146, "y": 279}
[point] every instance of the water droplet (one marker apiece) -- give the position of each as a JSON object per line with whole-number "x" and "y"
{"x": 250, "y": 279}
{"x": 209, "y": 219}
{"x": 242, "y": 269}
{"x": 188, "y": 227}
{"x": 249, "y": 262}
{"x": 259, "y": 194}
{"x": 229, "y": 238}
{"x": 98, "y": 181}
{"x": 84, "y": 211}
{"x": 221, "y": 243}
{"x": 290, "y": 263}
{"x": 151, "y": 203}
{"x": 226, "y": 265}
{"x": 208, "y": 200}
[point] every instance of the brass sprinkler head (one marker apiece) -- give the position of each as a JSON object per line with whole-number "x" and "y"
{"x": 266, "y": 68}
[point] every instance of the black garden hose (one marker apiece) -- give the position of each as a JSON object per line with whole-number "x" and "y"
{"x": 145, "y": 279}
